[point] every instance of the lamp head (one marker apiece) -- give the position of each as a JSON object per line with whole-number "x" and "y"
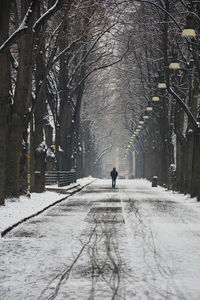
{"x": 189, "y": 30}
{"x": 174, "y": 65}
{"x": 161, "y": 81}
{"x": 149, "y": 107}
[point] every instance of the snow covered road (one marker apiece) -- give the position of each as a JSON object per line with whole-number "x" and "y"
{"x": 132, "y": 242}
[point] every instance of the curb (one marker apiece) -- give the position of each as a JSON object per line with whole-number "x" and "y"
{"x": 49, "y": 189}
{"x": 5, "y": 231}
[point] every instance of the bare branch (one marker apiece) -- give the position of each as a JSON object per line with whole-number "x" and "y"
{"x": 21, "y": 30}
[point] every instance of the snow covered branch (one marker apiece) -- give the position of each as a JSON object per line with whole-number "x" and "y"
{"x": 162, "y": 9}
{"x": 184, "y": 106}
{"x": 90, "y": 50}
{"x": 57, "y": 5}
{"x": 21, "y": 29}
{"x": 64, "y": 51}
{"x": 104, "y": 151}
{"x": 97, "y": 69}
{"x": 24, "y": 25}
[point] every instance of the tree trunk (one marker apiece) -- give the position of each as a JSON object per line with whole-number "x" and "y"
{"x": 179, "y": 164}
{"x": 4, "y": 95}
{"x": 39, "y": 174}
{"x": 189, "y": 154}
{"x": 87, "y": 148}
{"x": 195, "y": 180}
{"x": 32, "y": 160}
{"x": 23, "y": 178}
{"x": 50, "y": 159}
{"x": 40, "y": 148}
{"x": 65, "y": 114}
{"x": 180, "y": 144}
{"x": 48, "y": 129}
{"x": 23, "y": 85}
{"x": 194, "y": 149}
{"x": 66, "y": 135}
{"x": 79, "y": 164}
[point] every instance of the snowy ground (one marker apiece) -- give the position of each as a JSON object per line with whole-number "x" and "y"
{"x": 16, "y": 209}
{"x": 132, "y": 242}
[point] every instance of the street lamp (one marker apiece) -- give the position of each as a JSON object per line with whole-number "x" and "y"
{"x": 145, "y": 116}
{"x": 141, "y": 122}
{"x": 189, "y": 30}
{"x": 155, "y": 96}
{"x": 161, "y": 81}
{"x": 149, "y": 107}
{"x": 174, "y": 65}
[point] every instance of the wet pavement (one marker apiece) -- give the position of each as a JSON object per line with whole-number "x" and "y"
{"x": 132, "y": 242}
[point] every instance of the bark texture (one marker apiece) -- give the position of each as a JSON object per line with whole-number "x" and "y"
{"x": 4, "y": 95}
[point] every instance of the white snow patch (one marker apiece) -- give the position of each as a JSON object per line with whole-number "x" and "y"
{"x": 16, "y": 209}
{"x": 60, "y": 149}
{"x": 42, "y": 147}
{"x": 50, "y": 153}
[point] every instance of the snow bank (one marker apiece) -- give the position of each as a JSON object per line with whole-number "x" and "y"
{"x": 16, "y": 209}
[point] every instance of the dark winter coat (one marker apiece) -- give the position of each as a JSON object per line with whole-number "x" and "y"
{"x": 113, "y": 174}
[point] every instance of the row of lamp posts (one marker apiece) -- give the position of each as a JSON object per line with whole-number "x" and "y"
{"x": 188, "y": 31}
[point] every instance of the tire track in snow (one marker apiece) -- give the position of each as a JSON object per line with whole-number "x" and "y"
{"x": 138, "y": 227}
{"x": 102, "y": 253}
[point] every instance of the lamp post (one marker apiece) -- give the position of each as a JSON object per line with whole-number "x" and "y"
{"x": 141, "y": 122}
{"x": 149, "y": 106}
{"x": 189, "y": 30}
{"x": 146, "y": 115}
{"x": 161, "y": 81}
{"x": 174, "y": 65}
{"x": 57, "y": 128}
{"x": 155, "y": 96}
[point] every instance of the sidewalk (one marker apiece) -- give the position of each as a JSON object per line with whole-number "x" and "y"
{"x": 18, "y": 210}
{"x": 131, "y": 242}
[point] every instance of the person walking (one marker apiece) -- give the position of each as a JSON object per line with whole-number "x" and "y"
{"x": 114, "y": 175}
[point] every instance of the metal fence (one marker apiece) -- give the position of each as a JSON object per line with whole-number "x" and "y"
{"x": 62, "y": 178}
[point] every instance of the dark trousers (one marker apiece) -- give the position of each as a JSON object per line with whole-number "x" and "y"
{"x": 113, "y": 182}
